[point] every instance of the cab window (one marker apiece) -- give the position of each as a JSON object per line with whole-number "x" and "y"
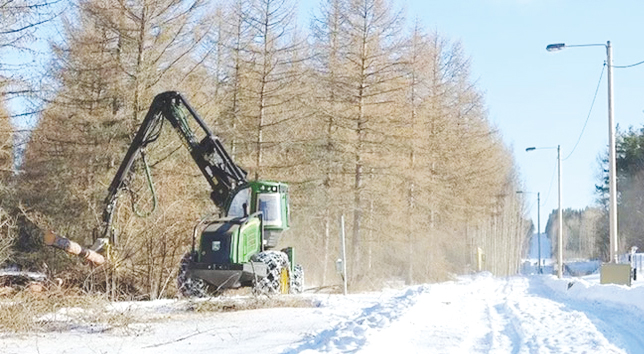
{"x": 237, "y": 205}
{"x": 269, "y": 205}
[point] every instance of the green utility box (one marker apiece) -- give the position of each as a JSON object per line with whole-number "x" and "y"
{"x": 611, "y": 273}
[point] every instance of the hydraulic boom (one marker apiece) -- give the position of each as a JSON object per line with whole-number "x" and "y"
{"x": 222, "y": 174}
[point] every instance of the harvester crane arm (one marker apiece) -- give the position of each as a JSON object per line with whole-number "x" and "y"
{"x": 227, "y": 252}
{"x": 222, "y": 174}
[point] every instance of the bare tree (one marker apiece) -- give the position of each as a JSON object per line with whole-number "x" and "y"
{"x": 329, "y": 178}
{"x": 369, "y": 36}
{"x": 7, "y": 225}
{"x": 417, "y": 56}
{"x": 271, "y": 72}
{"x": 20, "y": 75}
{"x": 116, "y": 57}
{"x": 6, "y": 144}
{"x": 232, "y": 62}
{"x": 18, "y": 23}
{"x": 386, "y": 127}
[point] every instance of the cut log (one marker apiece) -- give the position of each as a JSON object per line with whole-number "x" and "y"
{"x": 71, "y": 247}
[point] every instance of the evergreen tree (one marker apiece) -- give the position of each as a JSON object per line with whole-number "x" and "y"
{"x": 630, "y": 195}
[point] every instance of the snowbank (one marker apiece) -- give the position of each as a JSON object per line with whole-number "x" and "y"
{"x": 584, "y": 289}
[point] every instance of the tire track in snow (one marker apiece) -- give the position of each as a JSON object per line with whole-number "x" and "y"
{"x": 350, "y": 335}
{"x": 504, "y": 324}
{"x": 454, "y": 317}
{"x": 490, "y": 315}
{"x": 481, "y": 314}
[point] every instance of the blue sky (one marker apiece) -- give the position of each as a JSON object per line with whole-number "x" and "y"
{"x": 542, "y": 99}
{"x": 538, "y": 98}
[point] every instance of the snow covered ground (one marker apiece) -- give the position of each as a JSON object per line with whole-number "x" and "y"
{"x": 474, "y": 314}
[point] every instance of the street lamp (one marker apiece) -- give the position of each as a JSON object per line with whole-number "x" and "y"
{"x": 538, "y": 226}
{"x": 559, "y": 212}
{"x": 612, "y": 179}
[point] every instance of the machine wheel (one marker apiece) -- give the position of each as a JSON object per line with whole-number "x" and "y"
{"x": 297, "y": 281}
{"x": 187, "y": 285}
{"x": 276, "y": 281}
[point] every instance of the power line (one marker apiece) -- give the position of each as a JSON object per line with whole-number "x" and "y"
{"x": 627, "y": 66}
{"x": 550, "y": 187}
{"x": 589, "y": 112}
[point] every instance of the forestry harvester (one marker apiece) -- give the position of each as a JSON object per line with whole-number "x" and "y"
{"x": 236, "y": 250}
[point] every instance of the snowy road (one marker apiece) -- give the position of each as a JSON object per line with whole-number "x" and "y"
{"x": 487, "y": 315}
{"x": 478, "y": 314}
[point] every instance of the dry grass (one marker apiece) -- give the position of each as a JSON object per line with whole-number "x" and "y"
{"x": 224, "y": 304}
{"x": 57, "y": 310}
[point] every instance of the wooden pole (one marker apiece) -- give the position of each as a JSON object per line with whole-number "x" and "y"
{"x": 344, "y": 255}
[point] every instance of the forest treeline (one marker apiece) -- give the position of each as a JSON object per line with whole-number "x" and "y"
{"x": 364, "y": 115}
{"x": 582, "y": 230}
{"x": 586, "y": 231}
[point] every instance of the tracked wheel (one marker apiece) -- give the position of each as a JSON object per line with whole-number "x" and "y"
{"x": 297, "y": 280}
{"x": 277, "y": 279}
{"x": 189, "y": 286}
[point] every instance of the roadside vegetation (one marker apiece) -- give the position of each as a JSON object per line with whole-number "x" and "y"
{"x": 366, "y": 115}
{"x": 51, "y": 308}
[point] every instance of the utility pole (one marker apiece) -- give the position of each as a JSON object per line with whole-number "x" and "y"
{"x": 612, "y": 170}
{"x": 344, "y": 256}
{"x": 612, "y": 174}
{"x": 539, "y": 229}
{"x": 559, "y": 214}
{"x": 560, "y": 217}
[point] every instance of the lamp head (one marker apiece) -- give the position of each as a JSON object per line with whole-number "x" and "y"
{"x": 555, "y": 47}
{"x": 531, "y": 148}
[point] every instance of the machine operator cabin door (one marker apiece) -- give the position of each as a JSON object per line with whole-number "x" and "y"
{"x": 269, "y": 205}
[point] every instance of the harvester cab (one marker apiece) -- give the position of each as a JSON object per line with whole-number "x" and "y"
{"x": 269, "y": 198}
{"x": 230, "y": 251}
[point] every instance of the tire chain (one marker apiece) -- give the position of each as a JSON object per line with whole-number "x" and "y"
{"x": 275, "y": 261}
{"x": 188, "y": 286}
{"x": 297, "y": 283}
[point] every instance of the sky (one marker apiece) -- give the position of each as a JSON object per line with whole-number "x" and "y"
{"x": 543, "y": 99}
{"x": 537, "y": 98}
